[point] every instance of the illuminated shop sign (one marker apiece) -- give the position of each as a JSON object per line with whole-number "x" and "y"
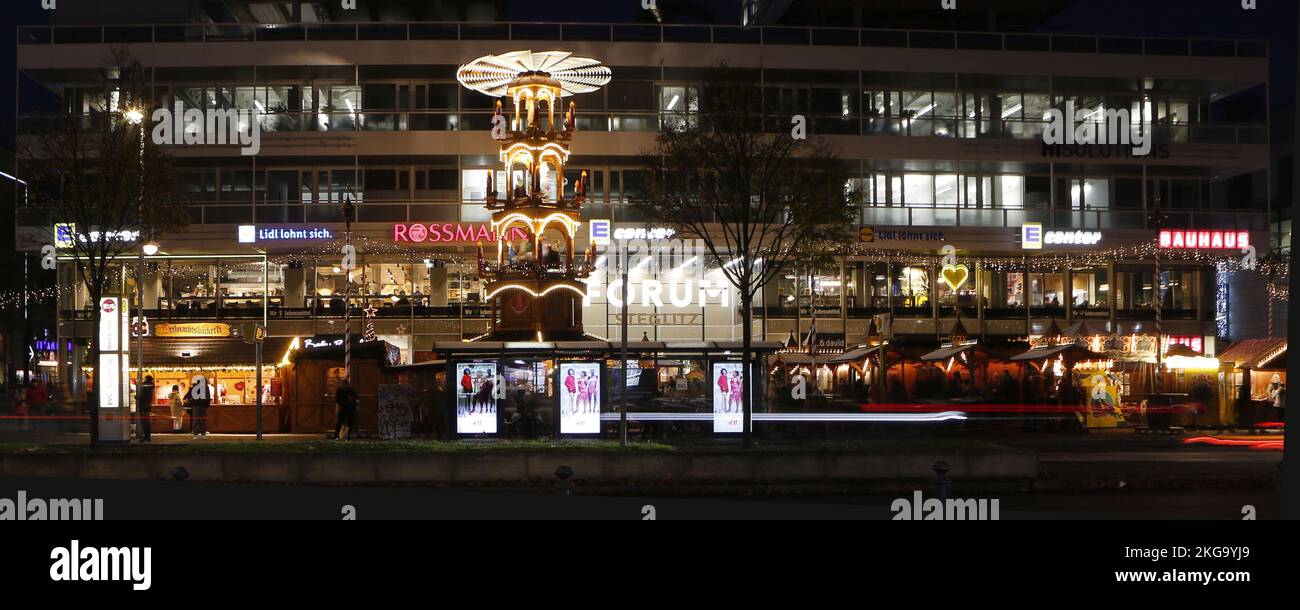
{"x": 65, "y": 234}
{"x": 450, "y": 232}
{"x": 1072, "y": 238}
{"x": 600, "y": 232}
{"x": 1178, "y": 239}
{"x": 251, "y": 234}
{"x": 323, "y": 341}
{"x": 897, "y": 235}
{"x": 643, "y": 233}
{"x": 1033, "y": 237}
{"x": 192, "y": 329}
{"x": 1195, "y": 343}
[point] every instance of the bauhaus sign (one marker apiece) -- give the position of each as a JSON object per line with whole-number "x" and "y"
{"x": 450, "y": 232}
{"x": 1178, "y": 239}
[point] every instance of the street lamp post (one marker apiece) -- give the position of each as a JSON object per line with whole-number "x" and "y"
{"x": 136, "y": 117}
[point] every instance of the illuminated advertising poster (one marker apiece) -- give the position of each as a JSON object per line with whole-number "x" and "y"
{"x": 580, "y": 395}
{"x": 728, "y": 381}
{"x": 476, "y": 403}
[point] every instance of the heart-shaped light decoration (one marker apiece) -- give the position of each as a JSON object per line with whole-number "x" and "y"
{"x": 956, "y": 276}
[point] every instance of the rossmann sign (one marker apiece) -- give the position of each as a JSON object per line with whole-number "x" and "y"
{"x": 450, "y": 233}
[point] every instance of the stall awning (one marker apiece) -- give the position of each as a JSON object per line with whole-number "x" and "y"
{"x": 945, "y": 353}
{"x": 180, "y": 352}
{"x": 1255, "y": 353}
{"x": 795, "y": 358}
{"x": 854, "y": 355}
{"x": 1052, "y": 351}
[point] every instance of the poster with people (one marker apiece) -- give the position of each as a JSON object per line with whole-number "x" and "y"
{"x": 579, "y": 386}
{"x": 728, "y": 383}
{"x": 476, "y": 403}
{"x": 394, "y": 411}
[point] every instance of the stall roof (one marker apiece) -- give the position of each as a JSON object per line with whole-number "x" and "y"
{"x": 1255, "y": 353}
{"x": 854, "y": 354}
{"x": 166, "y": 351}
{"x": 793, "y": 358}
{"x": 1085, "y": 329}
{"x": 945, "y": 353}
{"x": 1049, "y": 351}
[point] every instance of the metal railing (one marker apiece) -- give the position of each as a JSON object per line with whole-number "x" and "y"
{"x": 653, "y": 33}
{"x": 649, "y": 121}
{"x": 1126, "y": 217}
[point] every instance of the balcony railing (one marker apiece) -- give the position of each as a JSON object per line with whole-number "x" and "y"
{"x": 1112, "y": 218}
{"x": 639, "y": 33}
{"x": 387, "y": 120}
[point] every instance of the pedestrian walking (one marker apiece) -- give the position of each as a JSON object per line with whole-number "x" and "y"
{"x": 346, "y": 399}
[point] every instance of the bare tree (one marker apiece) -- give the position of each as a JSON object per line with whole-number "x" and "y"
{"x": 742, "y": 181}
{"x": 97, "y": 176}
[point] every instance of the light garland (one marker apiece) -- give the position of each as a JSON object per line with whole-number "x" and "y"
{"x": 494, "y": 293}
{"x": 492, "y": 74}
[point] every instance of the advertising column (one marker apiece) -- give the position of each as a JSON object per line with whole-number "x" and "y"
{"x": 111, "y": 372}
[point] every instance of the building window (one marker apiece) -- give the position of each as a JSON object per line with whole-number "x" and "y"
{"x": 1090, "y": 292}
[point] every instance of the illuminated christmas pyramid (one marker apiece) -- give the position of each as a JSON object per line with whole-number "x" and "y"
{"x": 535, "y": 281}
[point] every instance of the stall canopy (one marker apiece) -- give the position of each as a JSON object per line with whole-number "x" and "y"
{"x": 180, "y": 352}
{"x": 854, "y": 355}
{"x": 1084, "y": 329}
{"x": 1256, "y": 354}
{"x": 945, "y": 353}
{"x": 1050, "y": 351}
{"x": 958, "y": 342}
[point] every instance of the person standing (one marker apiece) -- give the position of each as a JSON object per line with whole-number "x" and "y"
{"x": 1277, "y": 395}
{"x": 38, "y": 398}
{"x": 200, "y": 395}
{"x": 144, "y": 407}
{"x": 177, "y": 409}
{"x": 346, "y": 399}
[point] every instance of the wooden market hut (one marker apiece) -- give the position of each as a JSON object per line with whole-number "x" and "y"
{"x": 313, "y": 376}
{"x": 957, "y": 349}
{"x": 1249, "y": 367}
{"x": 1038, "y": 379}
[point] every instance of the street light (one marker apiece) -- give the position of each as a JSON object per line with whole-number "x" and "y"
{"x": 135, "y": 117}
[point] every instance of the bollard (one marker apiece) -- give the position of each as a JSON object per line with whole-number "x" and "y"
{"x": 941, "y": 479}
{"x": 564, "y": 486}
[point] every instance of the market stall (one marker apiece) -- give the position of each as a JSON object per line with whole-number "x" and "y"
{"x": 1254, "y": 370}
{"x": 229, "y": 365}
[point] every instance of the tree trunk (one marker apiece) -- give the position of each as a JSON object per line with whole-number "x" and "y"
{"x": 746, "y": 388}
